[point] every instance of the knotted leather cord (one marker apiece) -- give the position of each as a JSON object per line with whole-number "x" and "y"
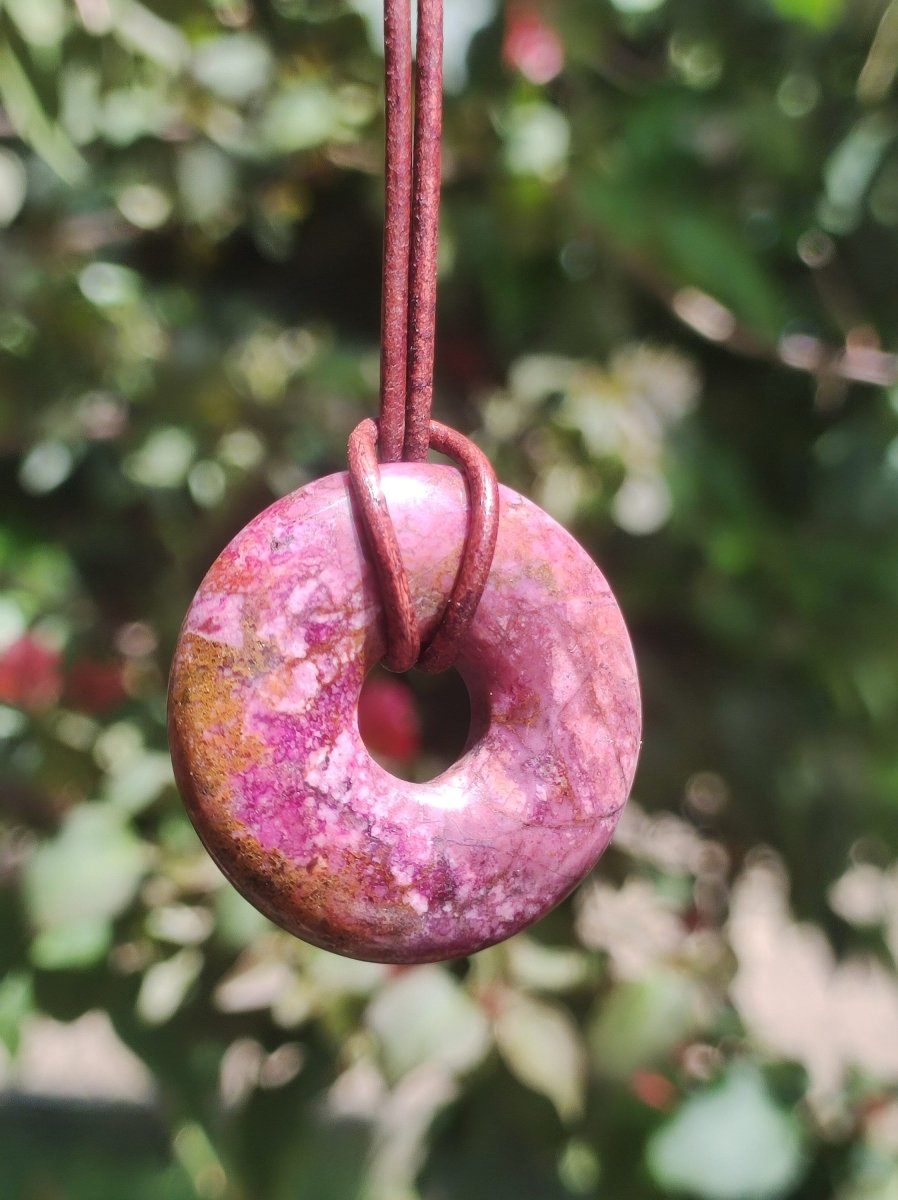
{"x": 408, "y": 324}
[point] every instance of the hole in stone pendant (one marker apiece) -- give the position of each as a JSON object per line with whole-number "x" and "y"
{"x": 414, "y": 725}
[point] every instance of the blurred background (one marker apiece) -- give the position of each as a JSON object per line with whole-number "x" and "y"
{"x": 668, "y": 312}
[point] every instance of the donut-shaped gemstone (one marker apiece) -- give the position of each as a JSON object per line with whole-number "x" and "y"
{"x": 266, "y": 747}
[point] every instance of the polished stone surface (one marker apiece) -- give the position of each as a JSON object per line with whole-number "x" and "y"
{"x": 264, "y": 737}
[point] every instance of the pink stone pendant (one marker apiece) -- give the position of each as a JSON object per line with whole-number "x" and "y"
{"x": 264, "y": 733}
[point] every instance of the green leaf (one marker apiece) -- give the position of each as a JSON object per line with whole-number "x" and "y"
{"x": 16, "y": 1001}
{"x": 233, "y": 67}
{"x": 42, "y": 25}
{"x": 13, "y": 186}
{"x": 547, "y": 968}
{"x": 822, "y": 13}
{"x": 237, "y": 923}
{"x": 90, "y": 869}
{"x": 27, "y": 111}
{"x": 139, "y": 781}
{"x": 705, "y": 251}
{"x": 146, "y": 33}
{"x": 207, "y": 183}
{"x": 852, "y": 167}
{"x": 732, "y": 1142}
{"x": 425, "y": 1016}
{"x": 166, "y": 984}
{"x": 72, "y": 946}
{"x": 669, "y": 232}
{"x": 641, "y": 1022}
{"x": 337, "y": 976}
{"x": 875, "y": 1174}
{"x": 301, "y": 117}
{"x": 542, "y": 1047}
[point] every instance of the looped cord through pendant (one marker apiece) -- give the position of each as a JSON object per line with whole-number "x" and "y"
{"x": 405, "y": 430}
{"x": 403, "y": 643}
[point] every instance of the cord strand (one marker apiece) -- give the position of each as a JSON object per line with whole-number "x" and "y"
{"x": 397, "y": 227}
{"x": 422, "y": 298}
{"x": 405, "y": 429}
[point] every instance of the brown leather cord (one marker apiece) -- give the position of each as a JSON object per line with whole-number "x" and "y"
{"x": 480, "y": 543}
{"x": 408, "y": 326}
{"x": 397, "y": 226}
{"x": 477, "y": 554}
{"x": 403, "y": 642}
{"x": 422, "y": 299}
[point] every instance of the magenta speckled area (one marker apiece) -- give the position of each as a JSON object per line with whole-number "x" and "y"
{"x": 268, "y": 757}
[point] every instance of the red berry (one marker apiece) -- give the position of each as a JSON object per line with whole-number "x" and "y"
{"x": 654, "y": 1090}
{"x": 94, "y": 686}
{"x": 531, "y": 45}
{"x": 30, "y": 675}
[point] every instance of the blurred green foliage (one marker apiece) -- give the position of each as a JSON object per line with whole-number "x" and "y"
{"x": 667, "y": 306}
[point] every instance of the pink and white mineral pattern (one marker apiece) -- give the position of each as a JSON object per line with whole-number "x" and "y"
{"x": 264, "y": 734}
